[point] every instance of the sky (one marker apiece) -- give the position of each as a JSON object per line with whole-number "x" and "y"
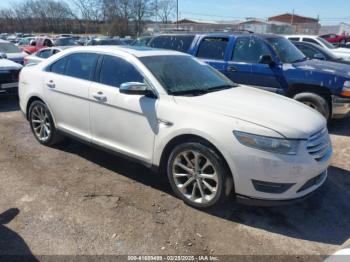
{"x": 329, "y": 11}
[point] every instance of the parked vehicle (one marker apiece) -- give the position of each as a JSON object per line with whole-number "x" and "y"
{"x": 65, "y": 41}
{"x": 9, "y": 73}
{"x": 12, "y": 52}
{"x": 272, "y": 63}
{"x": 339, "y": 40}
{"x": 105, "y": 41}
{"x": 142, "y": 41}
{"x": 338, "y": 51}
{"x": 37, "y": 44}
{"x": 43, "y": 54}
{"x": 313, "y": 51}
{"x": 213, "y": 138}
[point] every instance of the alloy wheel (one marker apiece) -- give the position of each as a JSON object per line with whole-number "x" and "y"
{"x": 195, "y": 176}
{"x": 41, "y": 123}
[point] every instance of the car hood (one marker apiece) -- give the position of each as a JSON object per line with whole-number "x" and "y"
{"x": 6, "y": 64}
{"x": 320, "y": 66}
{"x": 341, "y": 50}
{"x": 288, "y": 117}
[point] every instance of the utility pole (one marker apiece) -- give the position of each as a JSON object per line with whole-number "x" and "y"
{"x": 177, "y": 14}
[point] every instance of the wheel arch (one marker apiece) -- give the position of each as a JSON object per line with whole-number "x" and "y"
{"x": 182, "y": 138}
{"x": 34, "y": 98}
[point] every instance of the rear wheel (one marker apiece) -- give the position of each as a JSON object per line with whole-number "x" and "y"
{"x": 42, "y": 124}
{"x": 198, "y": 175}
{"x": 316, "y": 102}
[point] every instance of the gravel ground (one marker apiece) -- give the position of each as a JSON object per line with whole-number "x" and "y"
{"x": 73, "y": 199}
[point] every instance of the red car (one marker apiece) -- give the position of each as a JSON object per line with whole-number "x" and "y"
{"x": 36, "y": 44}
{"x": 340, "y": 40}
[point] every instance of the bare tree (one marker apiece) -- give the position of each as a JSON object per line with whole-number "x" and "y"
{"x": 166, "y": 10}
{"x": 140, "y": 10}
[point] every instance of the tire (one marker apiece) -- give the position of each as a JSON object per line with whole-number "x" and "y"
{"x": 216, "y": 186}
{"x": 42, "y": 124}
{"x": 316, "y": 102}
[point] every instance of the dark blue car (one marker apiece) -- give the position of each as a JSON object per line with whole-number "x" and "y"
{"x": 272, "y": 63}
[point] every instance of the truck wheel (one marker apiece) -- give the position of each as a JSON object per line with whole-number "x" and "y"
{"x": 316, "y": 102}
{"x": 198, "y": 175}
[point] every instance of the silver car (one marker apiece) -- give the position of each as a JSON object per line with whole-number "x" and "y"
{"x": 43, "y": 54}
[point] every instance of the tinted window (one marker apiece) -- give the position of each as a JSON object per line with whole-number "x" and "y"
{"x": 44, "y": 53}
{"x": 309, "y": 52}
{"x": 309, "y": 40}
{"x": 179, "y": 43}
{"x": 116, "y": 71}
{"x": 81, "y": 65}
{"x": 59, "y": 67}
{"x": 294, "y": 39}
{"x": 249, "y": 50}
{"x": 213, "y": 48}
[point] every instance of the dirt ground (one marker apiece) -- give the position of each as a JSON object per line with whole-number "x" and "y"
{"x": 73, "y": 199}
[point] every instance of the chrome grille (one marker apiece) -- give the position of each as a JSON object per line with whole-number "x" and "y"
{"x": 319, "y": 145}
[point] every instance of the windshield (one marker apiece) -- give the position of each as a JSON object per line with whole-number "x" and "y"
{"x": 185, "y": 75}
{"x": 25, "y": 41}
{"x": 9, "y": 48}
{"x": 65, "y": 42}
{"x": 286, "y": 51}
{"x": 326, "y": 43}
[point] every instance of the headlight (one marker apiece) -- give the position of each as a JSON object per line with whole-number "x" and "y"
{"x": 270, "y": 144}
{"x": 346, "y": 89}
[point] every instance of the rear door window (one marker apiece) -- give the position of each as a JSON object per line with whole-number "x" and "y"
{"x": 44, "y": 53}
{"x": 213, "y": 48}
{"x": 181, "y": 43}
{"x": 80, "y": 65}
{"x": 296, "y": 39}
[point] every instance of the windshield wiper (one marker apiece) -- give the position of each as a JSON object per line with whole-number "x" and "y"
{"x": 219, "y": 88}
{"x": 192, "y": 92}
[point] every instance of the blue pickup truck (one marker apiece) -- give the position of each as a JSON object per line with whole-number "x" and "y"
{"x": 270, "y": 62}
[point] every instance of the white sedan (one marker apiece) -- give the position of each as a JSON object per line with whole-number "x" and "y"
{"x": 338, "y": 51}
{"x": 212, "y": 138}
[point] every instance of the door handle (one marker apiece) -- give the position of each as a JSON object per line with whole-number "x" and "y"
{"x": 232, "y": 69}
{"x": 51, "y": 84}
{"x": 99, "y": 96}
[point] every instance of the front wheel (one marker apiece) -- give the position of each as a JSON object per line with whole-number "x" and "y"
{"x": 316, "y": 102}
{"x": 198, "y": 175}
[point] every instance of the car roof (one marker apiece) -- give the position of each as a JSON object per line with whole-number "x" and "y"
{"x": 310, "y": 36}
{"x": 137, "y": 51}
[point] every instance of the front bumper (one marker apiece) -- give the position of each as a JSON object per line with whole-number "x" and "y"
{"x": 340, "y": 107}
{"x": 245, "y": 200}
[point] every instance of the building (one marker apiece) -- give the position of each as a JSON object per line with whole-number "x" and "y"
{"x": 342, "y": 28}
{"x": 201, "y": 26}
{"x": 300, "y": 24}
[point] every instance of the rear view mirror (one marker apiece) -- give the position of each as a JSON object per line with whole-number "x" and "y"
{"x": 267, "y": 60}
{"x": 135, "y": 88}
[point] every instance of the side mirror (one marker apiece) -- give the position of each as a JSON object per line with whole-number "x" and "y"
{"x": 267, "y": 60}
{"x": 319, "y": 56}
{"x": 135, "y": 88}
{"x": 3, "y": 56}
